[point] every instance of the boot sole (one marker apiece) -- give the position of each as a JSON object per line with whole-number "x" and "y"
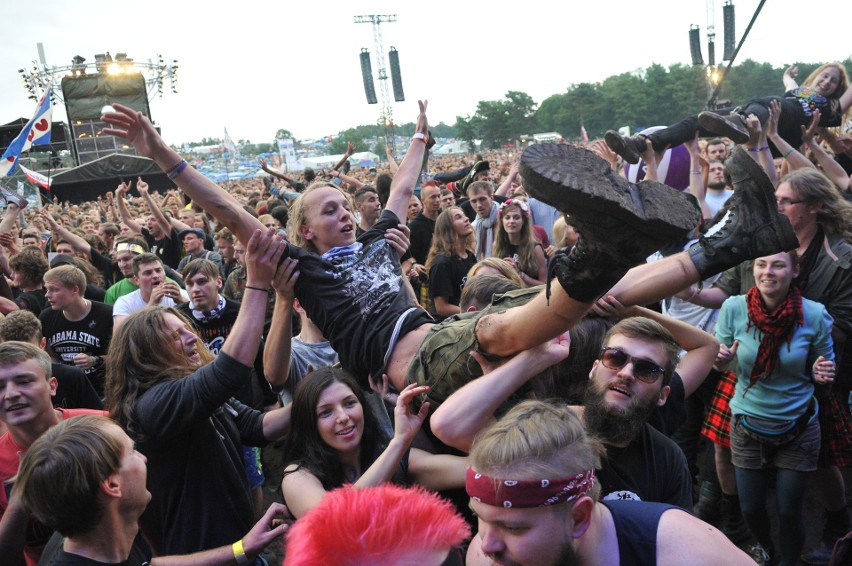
{"x": 616, "y": 144}
{"x": 579, "y": 183}
{"x": 743, "y": 169}
{"x": 719, "y": 125}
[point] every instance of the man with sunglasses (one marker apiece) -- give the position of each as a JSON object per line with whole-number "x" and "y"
{"x": 628, "y": 381}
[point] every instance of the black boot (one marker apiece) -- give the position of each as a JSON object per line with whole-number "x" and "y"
{"x": 629, "y": 148}
{"x": 620, "y": 223}
{"x": 753, "y": 226}
{"x": 732, "y": 126}
{"x": 708, "y": 508}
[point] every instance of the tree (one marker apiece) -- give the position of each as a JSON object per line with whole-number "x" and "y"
{"x": 283, "y": 134}
{"x": 338, "y": 144}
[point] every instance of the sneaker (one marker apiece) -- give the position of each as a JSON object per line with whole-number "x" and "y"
{"x": 620, "y": 223}
{"x": 752, "y": 228}
{"x": 761, "y": 556}
{"x": 629, "y": 148}
{"x": 12, "y": 197}
{"x": 731, "y": 126}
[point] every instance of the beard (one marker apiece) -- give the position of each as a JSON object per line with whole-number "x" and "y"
{"x": 717, "y": 186}
{"x": 567, "y": 556}
{"x": 614, "y": 425}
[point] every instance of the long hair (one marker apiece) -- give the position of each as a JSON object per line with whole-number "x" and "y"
{"x": 143, "y": 354}
{"x": 306, "y": 448}
{"x": 835, "y": 214}
{"x": 299, "y": 216}
{"x": 526, "y": 246}
{"x": 842, "y": 85}
{"x": 446, "y": 241}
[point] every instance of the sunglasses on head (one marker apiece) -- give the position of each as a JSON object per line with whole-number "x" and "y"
{"x": 643, "y": 370}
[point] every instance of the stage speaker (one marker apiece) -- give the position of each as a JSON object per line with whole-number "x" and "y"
{"x": 711, "y": 53}
{"x": 367, "y": 74}
{"x": 695, "y": 45}
{"x": 396, "y": 78}
{"x": 730, "y": 31}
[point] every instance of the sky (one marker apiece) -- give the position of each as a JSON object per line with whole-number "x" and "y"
{"x": 256, "y": 66}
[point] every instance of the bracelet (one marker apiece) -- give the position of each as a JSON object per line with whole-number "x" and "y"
{"x": 419, "y": 136}
{"x": 257, "y": 288}
{"x": 240, "y": 553}
{"x": 788, "y": 152}
{"x": 175, "y": 167}
{"x": 758, "y": 149}
{"x": 695, "y": 172}
{"x": 178, "y": 169}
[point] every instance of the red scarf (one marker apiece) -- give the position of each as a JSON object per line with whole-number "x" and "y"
{"x": 776, "y": 327}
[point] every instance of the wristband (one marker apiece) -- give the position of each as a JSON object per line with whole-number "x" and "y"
{"x": 177, "y": 170}
{"x": 758, "y": 149}
{"x": 419, "y": 136}
{"x": 257, "y": 289}
{"x": 788, "y": 152}
{"x": 240, "y": 553}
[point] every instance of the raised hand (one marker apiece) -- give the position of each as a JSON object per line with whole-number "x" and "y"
{"x": 135, "y": 128}
{"x": 406, "y": 423}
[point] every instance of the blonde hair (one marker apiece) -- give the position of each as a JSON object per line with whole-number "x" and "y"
{"x": 536, "y": 440}
{"x": 299, "y": 215}
{"x": 499, "y": 265}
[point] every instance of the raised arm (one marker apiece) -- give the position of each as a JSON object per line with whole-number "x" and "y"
{"x": 76, "y": 241}
{"x": 514, "y": 176}
{"x": 350, "y": 149}
{"x": 394, "y": 166}
{"x": 789, "y": 77}
{"x": 263, "y": 252}
{"x": 139, "y": 132}
{"x": 274, "y": 173}
{"x": 276, "y": 352}
{"x": 832, "y": 169}
{"x": 348, "y": 179}
{"x": 402, "y": 186}
{"x": 795, "y": 160}
{"x": 697, "y": 181}
{"x": 470, "y": 409}
{"x": 155, "y": 209}
{"x": 701, "y": 348}
{"x": 123, "y": 211}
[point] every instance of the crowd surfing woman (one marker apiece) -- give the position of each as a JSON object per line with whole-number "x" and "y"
{"x": 514, "y": 241}
{"x": 340, "y": 442}
{"x": 826, "y": 91}
{"x": 784, "y": 349}
{"x": 450, "y": 258}
{"x": 165, "y": 389}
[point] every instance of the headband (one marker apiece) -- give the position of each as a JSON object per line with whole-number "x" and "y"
{"x": 124, "y": 247}
{"x": 525, "y": 494}
{"x": 525, "y": 208}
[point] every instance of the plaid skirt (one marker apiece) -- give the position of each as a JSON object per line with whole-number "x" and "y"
{"x": 836, "y": 434}
{"x": 717, "y": 421}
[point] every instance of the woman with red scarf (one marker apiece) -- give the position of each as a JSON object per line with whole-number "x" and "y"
{"x": 784, "y": 349}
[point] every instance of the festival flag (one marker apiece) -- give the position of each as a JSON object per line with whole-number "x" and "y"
{"x": 583, "y": 133}
{"x": 37, "y": 178}
{"x": 36, "y": 131}
{"x": 230, "y": 146}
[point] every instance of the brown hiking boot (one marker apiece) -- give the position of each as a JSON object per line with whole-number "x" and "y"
{"x": 620, "y": 223}
{"x": 731, "y": 126}
{"x": 630, "y": 148}
{"x": 752, "y": 228}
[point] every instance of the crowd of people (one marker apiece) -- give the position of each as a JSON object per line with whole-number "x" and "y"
{"x": 599, "y": 370}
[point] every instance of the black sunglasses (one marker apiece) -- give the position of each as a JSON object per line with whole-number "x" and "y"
{"x": 643, "y": 370}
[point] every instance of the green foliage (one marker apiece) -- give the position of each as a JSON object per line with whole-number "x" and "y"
{"x": 283, "y": 134}
{"x": 338, "y": 144}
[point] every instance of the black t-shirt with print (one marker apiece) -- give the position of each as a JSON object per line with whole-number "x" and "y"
{"x": 447, "y": 276}
{"x": 357, "y": 299}
{"x": 91, "y": 335}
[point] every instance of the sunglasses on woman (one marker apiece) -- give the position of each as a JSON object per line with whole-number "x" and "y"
{"x": 643, "y": 370}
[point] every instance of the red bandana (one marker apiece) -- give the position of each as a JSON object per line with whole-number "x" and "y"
{"x": 524, "y": 494}
{"x": 777, "y": 327}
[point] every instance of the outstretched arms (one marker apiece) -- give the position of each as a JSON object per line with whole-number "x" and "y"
{"x": 402, "y": 186}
